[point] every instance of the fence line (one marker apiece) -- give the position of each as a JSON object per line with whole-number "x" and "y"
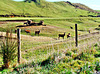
{"x": 82, "y": 37}
{"x": 88, "y": 43}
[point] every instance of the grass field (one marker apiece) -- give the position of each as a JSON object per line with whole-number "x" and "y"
{"x": 39, "y": 48}
{"x": 46, "y": 54}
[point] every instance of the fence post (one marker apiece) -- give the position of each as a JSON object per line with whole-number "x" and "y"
{"x": 76, "y": 35}
{"x": 19, "y": 45}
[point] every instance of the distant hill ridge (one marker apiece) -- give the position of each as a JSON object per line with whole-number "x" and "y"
{"x": 82, "y": 6}
{"x": 42, "y": 8}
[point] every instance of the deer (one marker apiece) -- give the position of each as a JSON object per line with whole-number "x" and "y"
{"x": 61, "y": 35}
{"x": 27, "y": 31}
{"x": 37, "y": 32}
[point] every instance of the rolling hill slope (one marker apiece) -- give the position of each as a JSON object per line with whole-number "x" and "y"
{"x": 41, "y": 9}
{"x": 82, "y": 6}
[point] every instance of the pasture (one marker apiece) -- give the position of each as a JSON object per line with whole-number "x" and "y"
{"x": 39, "y": 48}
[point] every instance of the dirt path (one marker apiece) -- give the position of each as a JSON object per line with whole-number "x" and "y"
{"x": 72, "y": 39}
{"x": 30, "y": 38}
{"x": 42, "y": 38}
{"x": 12, "y": 21}
{"x": 49, "y": 39}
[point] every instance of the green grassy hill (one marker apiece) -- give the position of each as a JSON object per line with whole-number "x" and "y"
{"x": 41, "y": 9}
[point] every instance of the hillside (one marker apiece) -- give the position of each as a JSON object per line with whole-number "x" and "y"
{"x": 82, "y": 6}
{"x": 41, "y": 9}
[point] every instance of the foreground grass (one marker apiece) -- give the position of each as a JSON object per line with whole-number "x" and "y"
{"x": 70, "y": 60}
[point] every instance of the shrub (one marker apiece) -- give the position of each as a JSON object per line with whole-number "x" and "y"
{"x": 8, "y": 50}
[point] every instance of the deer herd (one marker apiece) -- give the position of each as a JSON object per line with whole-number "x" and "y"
{"x": 30, "y": 23}
{"x": 60, "y": 35}
{"x": 37, "y": 32}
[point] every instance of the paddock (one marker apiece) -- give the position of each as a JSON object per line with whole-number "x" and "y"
{"x": 33, "y": 47}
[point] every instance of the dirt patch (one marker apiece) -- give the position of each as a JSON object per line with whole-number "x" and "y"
{"x": 31, "y": 38}
{"x": 37, "y": 38}
{"x": 13, "y": 21}
{"x": 53, "y": 27}
{"x": 32, "y": 27}
{"x": 3, "y": 22}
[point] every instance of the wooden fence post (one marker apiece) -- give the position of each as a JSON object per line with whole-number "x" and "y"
{"x": 76, "y": 35}
{"x": 19, "y": 45}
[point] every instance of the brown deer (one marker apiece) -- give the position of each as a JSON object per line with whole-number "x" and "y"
{"x": 61, "y": 35}
{"x": 37, "y": 32}
{"x": 27, "y": 31}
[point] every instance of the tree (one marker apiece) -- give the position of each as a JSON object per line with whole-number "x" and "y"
{"x": 31, "y": 1}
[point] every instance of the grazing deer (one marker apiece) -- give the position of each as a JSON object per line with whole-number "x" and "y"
{"x": 37, "y": 32}
{"x": 61, "y": 35}
{"x": 27, "y": 31}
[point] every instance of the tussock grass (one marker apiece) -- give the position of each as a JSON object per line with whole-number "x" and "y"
{"x": 79, "y": 61}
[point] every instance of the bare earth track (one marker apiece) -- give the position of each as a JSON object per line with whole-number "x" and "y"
{"x": 47, "y": 39}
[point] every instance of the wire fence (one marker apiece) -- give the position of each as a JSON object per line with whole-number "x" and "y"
{"x": 37, "y": 48}
{"x": 42, "y": 50}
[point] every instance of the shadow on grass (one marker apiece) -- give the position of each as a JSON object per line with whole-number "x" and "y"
{"x": 97, "y": 28}
{"x": 81, "y": 30}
